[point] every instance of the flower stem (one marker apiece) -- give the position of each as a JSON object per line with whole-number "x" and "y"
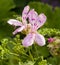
{"x": 36, "y": 50}
{"x": 31, "y": 56}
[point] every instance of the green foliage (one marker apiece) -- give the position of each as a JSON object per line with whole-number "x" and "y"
{"x": 49, "y": 32}
{"x": 43, "y": 62}
{"x": 54, "y": 60}
{"x": 13, "y": 53}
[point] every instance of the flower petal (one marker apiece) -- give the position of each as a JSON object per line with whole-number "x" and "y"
{"x": 41, "y": 20}
{"x": 14, "y": 22}
{"x": 32, "y": 15}
{"x": 24, "y": 13}
{"x": 39, "y": 39}
{"x": 18, "y": 30}
{"x": 32, "y": 18}
{"x": 28, "y": 40}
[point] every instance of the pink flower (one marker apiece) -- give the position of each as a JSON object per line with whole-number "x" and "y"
{"x": 50, "y": 40}
{"x": 36, "y": 22}
{"x": 22, "y": 25}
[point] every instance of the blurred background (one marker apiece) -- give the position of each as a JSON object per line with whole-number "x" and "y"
{"x": 53, "y": 3}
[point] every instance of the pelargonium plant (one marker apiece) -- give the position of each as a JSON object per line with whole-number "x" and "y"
{"x": 30, "y": 21}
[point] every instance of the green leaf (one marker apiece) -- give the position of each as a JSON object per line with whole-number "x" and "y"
{"x": 5, "y": 30}
{"x": 54, "y": 60}
{"x": 5, "y": 14}
{"x": 5, "y": 6}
